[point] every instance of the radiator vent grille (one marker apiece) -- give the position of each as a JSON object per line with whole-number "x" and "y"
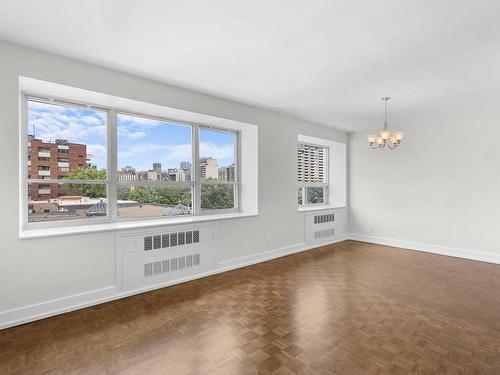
{"x": 165, "y": 240}
{"x": 171, "y": 239}
{"x": 326, "y": 218}
{"x": 148, "y": 270}
{"x": 181, "y": 238}
{"x": 171, "y": 265}
{"x": 330, "y": 232}
{"x": 157, "y": 242}
{"x": 148, "y": 243}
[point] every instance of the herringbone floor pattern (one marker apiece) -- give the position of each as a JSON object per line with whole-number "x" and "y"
{"x": 350, "y": 308}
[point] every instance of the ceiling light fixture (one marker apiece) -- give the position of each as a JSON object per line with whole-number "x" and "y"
{"x": 385, "y": 137}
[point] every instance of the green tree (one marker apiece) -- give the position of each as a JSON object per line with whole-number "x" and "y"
{"x": 217, "y": 196}
{"x": 167, "y": 195}
{"x": 314, "y": 194}
{"x": 88, "y": 190}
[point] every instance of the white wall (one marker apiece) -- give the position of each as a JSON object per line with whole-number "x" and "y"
{"x": 35, "y": 271}
{"x": 441, "y": 187}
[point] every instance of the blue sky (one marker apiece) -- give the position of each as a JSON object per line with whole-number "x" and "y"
{"x": 140, "y": 141}
{"x": 77, "y": 125}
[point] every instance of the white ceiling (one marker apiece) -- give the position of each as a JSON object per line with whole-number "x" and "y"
{"x": 328, "y": 61}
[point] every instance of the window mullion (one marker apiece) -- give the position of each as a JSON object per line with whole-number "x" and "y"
{"x": 112, "y": 166}
{"x": 237, "y": 186}
{"x": 196, "y": 170}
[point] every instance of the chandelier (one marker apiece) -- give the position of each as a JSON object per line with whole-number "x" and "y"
{"x": 385, "y": 137}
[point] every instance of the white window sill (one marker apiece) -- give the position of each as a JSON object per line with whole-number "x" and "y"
{"x": 318, "y": 207}
{"x": 106, "y": 227}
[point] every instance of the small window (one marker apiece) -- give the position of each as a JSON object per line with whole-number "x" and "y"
{"x": 312, "y": 174}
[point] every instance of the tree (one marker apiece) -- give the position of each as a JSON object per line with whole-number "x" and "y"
{"x": 168, "y": 195}
{"x": 217, "y": 196}
{"x": 88, "y": 190}
{"x": 314, "y": 195}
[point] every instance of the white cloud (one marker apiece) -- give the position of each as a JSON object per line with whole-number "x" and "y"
{"x": 52, "y": 122}
{"x": 136, "y": 135}
{"x": 129, "y": 123}
{"x": 141, "y": 148}
{"x": 96, "y": 150}
{"x": 94, "y": 120}
{"x": 179, "y": 152}
{"x": 208, "y": 149}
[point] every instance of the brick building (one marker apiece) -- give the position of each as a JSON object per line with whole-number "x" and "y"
{"x": 52, "y": 160}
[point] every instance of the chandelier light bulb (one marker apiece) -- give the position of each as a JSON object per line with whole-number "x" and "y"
{"x": 384, "y": 134}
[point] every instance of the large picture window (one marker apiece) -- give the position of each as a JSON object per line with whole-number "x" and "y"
{"x": 92, "y": 164}
{"x": 312, "y": 174}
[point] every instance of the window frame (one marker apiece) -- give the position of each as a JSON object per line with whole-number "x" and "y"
{"x": 111, "y": 180}
{"x": 235, "y": 183}
{"x": 305, "y": 185}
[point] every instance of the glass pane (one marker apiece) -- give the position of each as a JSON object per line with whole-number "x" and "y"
{"x": 153, "y": 150}
{"x": 214, "y": 196}
{"x": 314, "y": 195}
{"x": 217, "y": 155}
{"x": 51, "y": 202}
{"x": 66, "y": 142}
{"x": 311, "y": 163}
{"x": 140, "y": 202}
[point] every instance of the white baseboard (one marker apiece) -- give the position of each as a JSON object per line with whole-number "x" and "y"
{"x": 53, "y": 307}
{"x": 428, "y": 248}
{"x": 25, "y": 314}
{"x": 273, "y": 254}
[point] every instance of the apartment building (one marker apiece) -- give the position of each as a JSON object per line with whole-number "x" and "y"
{"x": 311, "y": 163}
{"x": 209, "y": 168}
{"x": 52, "y": 161}
{"x": 227, "y": 173}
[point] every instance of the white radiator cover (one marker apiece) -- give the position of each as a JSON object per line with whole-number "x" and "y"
{"x": 165, "y": 254}
{"x": 319, "y": 226}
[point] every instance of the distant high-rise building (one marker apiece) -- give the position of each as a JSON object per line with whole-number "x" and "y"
{"x": 157, "y": 167}
{"x": 230, "y": 173}
{"x": 209, "y": 168}
{"x": 222, "y": 174}
{"x": 186, "y": 167}
{"x": 311, "y": 163}
{"x": 226, "y": 173}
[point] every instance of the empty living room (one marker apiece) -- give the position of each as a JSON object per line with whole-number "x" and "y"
{"x": 234, "y": 187}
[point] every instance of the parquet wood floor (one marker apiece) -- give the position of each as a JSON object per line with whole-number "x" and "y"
{"x": 349, "y": 308}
